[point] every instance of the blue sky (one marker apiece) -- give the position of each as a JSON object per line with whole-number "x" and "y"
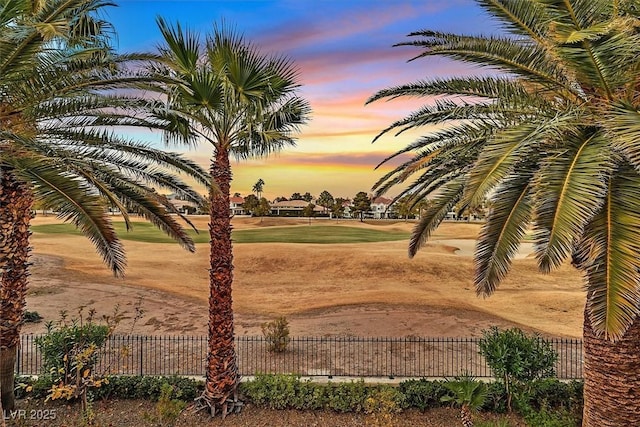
{"x": 343, "y": 49}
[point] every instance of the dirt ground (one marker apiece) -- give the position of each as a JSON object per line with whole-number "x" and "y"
{"x": 142, "y": 413}
{"x": 366, "y": 289}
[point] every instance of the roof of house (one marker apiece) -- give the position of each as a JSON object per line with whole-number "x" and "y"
{"x": 381, "y": 201}
{"x": 237, "y": 200}
{"x": 290, "y": 204}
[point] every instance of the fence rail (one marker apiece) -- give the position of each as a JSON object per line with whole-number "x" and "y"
{"x": 306, "y": 356}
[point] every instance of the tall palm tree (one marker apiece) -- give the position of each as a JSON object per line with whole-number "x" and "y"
{"x": 552, "y": 135}
{"x": 56, "y": 105}
{"x": 243, "y": 103}
{"x": 258, "y": 187}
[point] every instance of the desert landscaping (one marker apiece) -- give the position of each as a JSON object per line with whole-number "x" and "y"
{"x": 363, "y": 289}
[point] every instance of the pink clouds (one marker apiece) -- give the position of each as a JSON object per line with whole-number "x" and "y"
{"x": 294, "y": 34}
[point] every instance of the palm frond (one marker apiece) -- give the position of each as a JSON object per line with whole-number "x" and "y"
{"x": 485, "y": 87}
{"x": 623, "y": 127}
{"x": 76, "y": 204}
{"x": 436, "y": 212}
{"x": 182, "y": 46}
{"x": 510, "y": 56}
{"x": 608, "y": 255}
{"x": 570, "y": 188}
{"x": 522, "y": 17}
{"x": 506, "y": 225}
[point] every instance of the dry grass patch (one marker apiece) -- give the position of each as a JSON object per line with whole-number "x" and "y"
{"x": 360, "y": 289}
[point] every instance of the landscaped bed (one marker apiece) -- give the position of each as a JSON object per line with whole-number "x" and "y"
{"x": 141, "y": 413}
{"x": 285, "y": 400}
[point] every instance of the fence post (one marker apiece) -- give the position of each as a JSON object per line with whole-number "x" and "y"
{"x": 19, "y": 354}
{"x": 141, "y": 346}
{"x": 390, "y": 342}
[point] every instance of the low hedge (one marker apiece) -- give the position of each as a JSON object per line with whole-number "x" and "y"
{"x": 290, "y": 392}
{"x": 120, "y": 387}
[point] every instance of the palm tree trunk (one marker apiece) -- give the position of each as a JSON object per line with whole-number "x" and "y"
{"x": 222, "y": 370}
{"x": 15, "y": 215}
{"x": 465, "y": 415}
{"x": 611, "y": 378}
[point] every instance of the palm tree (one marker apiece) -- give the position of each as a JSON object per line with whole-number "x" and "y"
{"x": 56, "y": 101}
{"x": 553, "y": 140}
{"x": 468, "y": 394}
{"x": 258, "y": 187}
{"x": 243, "y": 103}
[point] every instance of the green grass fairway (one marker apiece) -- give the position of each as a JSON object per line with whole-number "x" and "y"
{"x": 316, "y": 234}
{"x": 144, "y": 232}
{"x": 141, "y": 232}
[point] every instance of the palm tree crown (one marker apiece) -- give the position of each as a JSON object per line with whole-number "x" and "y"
{"x": 551, "y": 139}
{"x": 57, "y": 107}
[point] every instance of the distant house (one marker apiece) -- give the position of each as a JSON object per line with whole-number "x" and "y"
{"x": 235, "y": 206}
{"x": 380, "y": 208}
{"x": 347, "y": 204}
{"x": 184, "y": 206}
{"x": 292, "y": 208}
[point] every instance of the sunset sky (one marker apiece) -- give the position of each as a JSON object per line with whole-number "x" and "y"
{"x": 343, "y": 49}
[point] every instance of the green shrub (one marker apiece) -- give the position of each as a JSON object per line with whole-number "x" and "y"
{"x": 496, "y": 398}
{"x": 272, "y": 391}
{"x": 26, "y": 386}
{"x": 552, "y": 403}
{"x": 347, "y": 397}
{"x": 422, "y": 394}
{"x": 148, "y": 387}
{"x": 62, "y": 343}
{"x": 288, "y": 391}
{"x": 310, "y": 395}
{"x": 545, "y": 417}
{"x": 276, "y": 333}
{"x": 466, "y": 391}
{"x": 120, "y": 387}
{"x": 555, "y": 394}
{"x": 167, "y": 410}
{"x": 32, "y": 316}
{"x": 516, "y": 358}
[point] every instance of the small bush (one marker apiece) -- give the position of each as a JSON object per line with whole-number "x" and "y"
{"x": 496, "y": 398}
{"x": 276, "y": 333}
{"x": 514, "y": 355}
{"x": 272, "y": 391}
{"x": 120, "y": 387}
{"x": 38, "y": 388}
{"x": 62, "y": 344}
{"x": 516, "y": 358}
{"x": 422, "y": 394}
{"x": 347, "y": 397}
{"x": 32, "y": 317}
{"x": 382, "y": 405}
{"x": 545, "y": 417}
{"x": 310, "y": 395}
{"x": 555, "y": 394}
{"x": 149, "y": 387}
{"x": 287, "y": 391}
{"x": 167, "y": 410}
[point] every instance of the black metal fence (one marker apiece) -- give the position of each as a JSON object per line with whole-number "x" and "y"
{"x": 306, "y": 356}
